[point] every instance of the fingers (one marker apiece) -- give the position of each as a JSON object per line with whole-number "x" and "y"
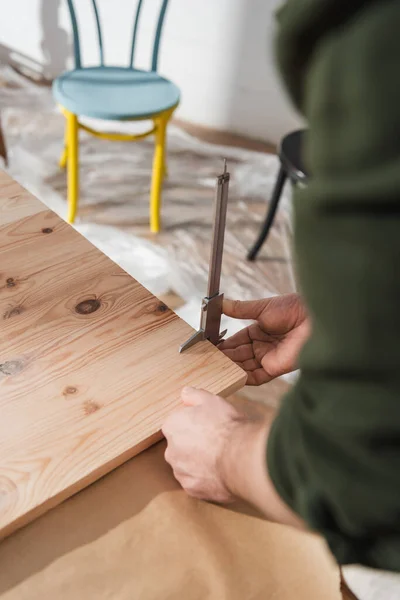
{"x": 170, "y": 422}
{"x": 239, "y": 354}
{"x": 250, "y": 365}
{"x": 248, "y": 309}
{"x": 246, "y": 336}
{"x": 257, "y": 377}
{"x": 167, "y": 455}
{"x": 238, "y": 339}
{"x": 194, "y": 397}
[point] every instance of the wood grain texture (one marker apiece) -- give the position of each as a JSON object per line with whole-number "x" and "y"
{"x": 89, "y": 362}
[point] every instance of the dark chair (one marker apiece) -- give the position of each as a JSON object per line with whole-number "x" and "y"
{"x": 3, "y": 147}
{"x": 290, "y": 155}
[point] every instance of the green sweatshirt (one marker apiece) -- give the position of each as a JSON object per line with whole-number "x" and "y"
{"x": 334, "y": 449}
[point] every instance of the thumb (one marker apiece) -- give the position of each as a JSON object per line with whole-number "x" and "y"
{"x": 193, "y": 397}
{"x": 246, "y": 309}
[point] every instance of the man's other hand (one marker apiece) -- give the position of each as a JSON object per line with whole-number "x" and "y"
{"x": 208, "y": 440}
{"x": 270, "y": 347}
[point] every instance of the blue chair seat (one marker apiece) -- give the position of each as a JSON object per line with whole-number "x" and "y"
{"x": 115, "y": 93}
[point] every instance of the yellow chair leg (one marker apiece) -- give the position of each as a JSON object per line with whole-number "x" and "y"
{"x": 165, "y": 160}
{"x": 73, "y": 165}
{"x": 164, "y": 169}
{"x": 63, "y": 159}
{"x": 158, "y": 172}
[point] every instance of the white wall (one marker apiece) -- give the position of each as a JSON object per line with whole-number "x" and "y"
{"x": 219, "y": 52}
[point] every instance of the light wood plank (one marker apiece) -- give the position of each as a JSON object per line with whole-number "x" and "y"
{"x": 89, "y": 362}
{"x": 15, "y": 201}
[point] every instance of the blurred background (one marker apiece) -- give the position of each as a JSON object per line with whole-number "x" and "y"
{"x": 219, "y": 53}
{"x": 215, "y": 83}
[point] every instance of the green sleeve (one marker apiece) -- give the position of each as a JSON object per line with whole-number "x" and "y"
{"x": 334, "y": 449}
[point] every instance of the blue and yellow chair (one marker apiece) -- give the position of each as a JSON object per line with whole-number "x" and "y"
{"x": 119, "y": 94}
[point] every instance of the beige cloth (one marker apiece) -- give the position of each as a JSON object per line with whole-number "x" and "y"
{"x": 136, "y": 535}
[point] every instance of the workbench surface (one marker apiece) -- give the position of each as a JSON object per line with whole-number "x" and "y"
{"x": 133, "y": 534}
{"x": 89, "y": 361}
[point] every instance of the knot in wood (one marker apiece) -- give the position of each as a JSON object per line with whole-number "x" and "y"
{"x": 11, "y": 367}
{"x": 69, "y": 390}
{"x": 86, "y": 307}
{"x": 90, "y": 407}
{"x": 47, "y": 230}
{"x": 13, "y": 312}
{"x": 10, "y": 282}
{"x": 161, "y": 308}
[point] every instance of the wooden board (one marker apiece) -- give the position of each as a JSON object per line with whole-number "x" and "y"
{"x": 89, "y": 362}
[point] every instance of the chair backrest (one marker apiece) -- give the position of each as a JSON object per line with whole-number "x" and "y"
{"x": 157, "y": 36}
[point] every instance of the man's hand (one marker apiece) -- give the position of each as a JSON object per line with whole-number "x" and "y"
{"x": 203, "y": 439}
{"x": 218, "y": 452}
{"x": 270, "y": 347}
